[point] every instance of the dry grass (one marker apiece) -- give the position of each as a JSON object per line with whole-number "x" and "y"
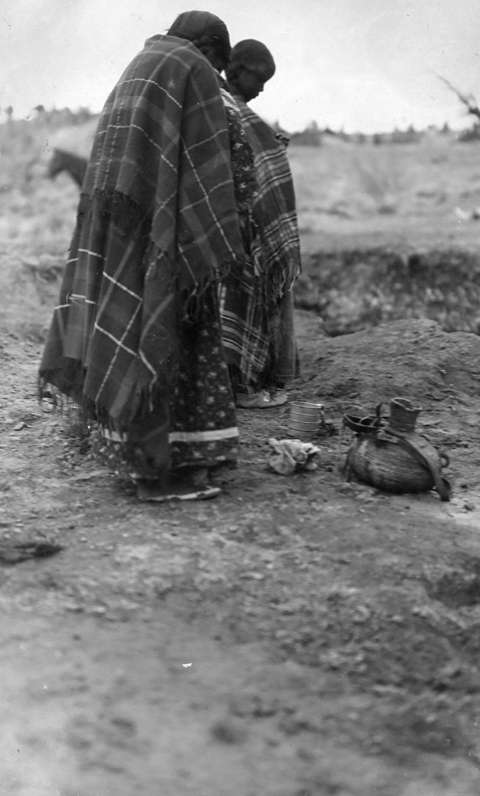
{"x": 400, "y": 197}
{"x": 36, "y": 221}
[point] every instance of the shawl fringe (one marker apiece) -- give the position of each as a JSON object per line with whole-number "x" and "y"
{"x": 157, "y": 225}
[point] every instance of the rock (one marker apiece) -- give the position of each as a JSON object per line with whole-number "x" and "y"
{"x": 228, "y": 731}
{"x": 253, "y": 705}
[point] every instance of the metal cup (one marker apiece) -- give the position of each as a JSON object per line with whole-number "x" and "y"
{"x": 305, "y": 419}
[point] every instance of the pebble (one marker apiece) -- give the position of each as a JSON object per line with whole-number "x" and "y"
{"x": 305, "y": 754}
{"x": 227, "y": 731}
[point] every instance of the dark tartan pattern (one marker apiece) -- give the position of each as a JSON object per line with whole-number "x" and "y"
{"x": 257, "y": 310}
{"x": 157, "y": 228}
{"x": 274, "y": 209}
{"x": 244, "y": 328}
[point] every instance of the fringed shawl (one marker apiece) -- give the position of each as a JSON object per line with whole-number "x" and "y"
{"x": 156, "y": 224}
{"x": 257, "y": 319}
{"x": 274, "y": 209}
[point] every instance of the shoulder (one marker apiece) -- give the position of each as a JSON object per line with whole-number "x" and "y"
{"x": 178, "y": 49}
{"x": 229, "y": 100}
{"x": 171, "y": 52}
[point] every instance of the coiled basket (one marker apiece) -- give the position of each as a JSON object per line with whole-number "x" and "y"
{"x": 391, "y": 456}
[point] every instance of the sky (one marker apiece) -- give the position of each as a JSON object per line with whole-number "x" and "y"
{"x": 366, "y": 65}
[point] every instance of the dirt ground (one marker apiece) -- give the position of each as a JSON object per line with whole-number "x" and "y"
{"x": 299, "y": 635}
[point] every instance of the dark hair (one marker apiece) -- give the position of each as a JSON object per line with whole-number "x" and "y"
{"x": 253, "y": 55}
{"x": 219, "y": 45}
{"x": 205, "y": 30}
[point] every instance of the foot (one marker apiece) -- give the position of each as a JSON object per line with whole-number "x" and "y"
{"x": 261, "y": 400}
{"x": 191, "y": 486}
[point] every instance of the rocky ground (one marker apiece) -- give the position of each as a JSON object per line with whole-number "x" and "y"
{"x": 298, "y": 636}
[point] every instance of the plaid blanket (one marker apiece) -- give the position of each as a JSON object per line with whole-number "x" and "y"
{"x": 274, "y": 210}
{"x": 257, "y": 310}
{"x": 242, "y": 304}
{"x": 157, "y": 225}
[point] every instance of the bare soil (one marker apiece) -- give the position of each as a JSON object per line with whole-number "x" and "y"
{"x": 296, "y": 636}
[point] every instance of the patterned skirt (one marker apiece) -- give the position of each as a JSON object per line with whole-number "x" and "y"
{"x": 197, "y": 425}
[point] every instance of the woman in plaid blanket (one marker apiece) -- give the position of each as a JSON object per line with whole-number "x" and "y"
{"x": 258, "y": 328}
{"x": 135, "y": 339}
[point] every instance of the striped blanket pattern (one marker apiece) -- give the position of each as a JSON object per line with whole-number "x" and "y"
{"x": 157, "y": 224}
{"x": 258, "y": 340}
{"x": 274, "y": 209}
